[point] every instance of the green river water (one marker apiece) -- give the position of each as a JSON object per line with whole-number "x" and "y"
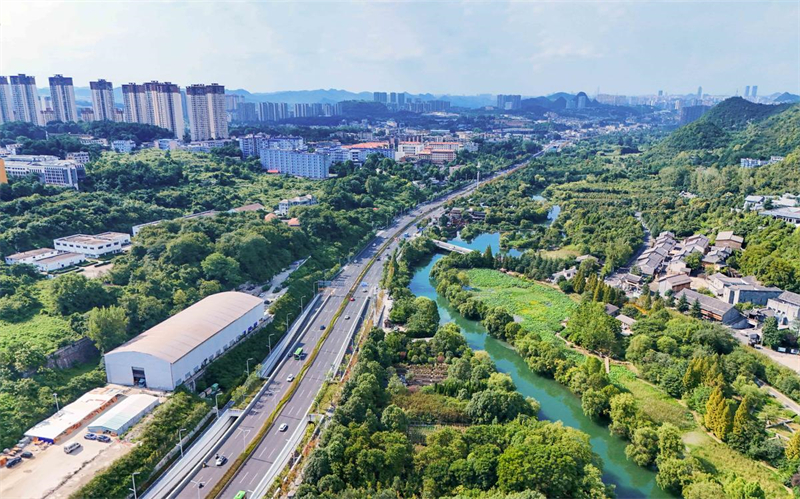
{"x": 557, "y": 402}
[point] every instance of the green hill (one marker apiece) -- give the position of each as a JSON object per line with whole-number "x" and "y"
{"x": 737, "y": 113}
{"x": 731, "y": 130}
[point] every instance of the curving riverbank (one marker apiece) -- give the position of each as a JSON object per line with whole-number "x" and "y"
{"x": 557, "y": 402}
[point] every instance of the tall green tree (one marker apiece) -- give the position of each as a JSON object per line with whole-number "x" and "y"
{"x": 107, "y": 327}
{"x": 747, "y": 430}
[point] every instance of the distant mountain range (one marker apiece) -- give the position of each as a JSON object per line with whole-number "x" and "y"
{"x": 83, "y": 96}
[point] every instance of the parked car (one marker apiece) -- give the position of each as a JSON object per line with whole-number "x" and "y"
{"x": 26, "y": 454}
{"x": 104, "y": 438}
{"x": 73, "y": 447}
{"x": 90, "y": 436}
{"x": 13, "y": 462}
{"x": 284, "y": 427}
{"x": 221, "y": 460}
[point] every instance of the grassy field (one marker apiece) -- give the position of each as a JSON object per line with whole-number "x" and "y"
{"x": 721, "y": 458}
{"x": 540, "y": 307}
{"x": 565, "y": 252}
{"x": 42, "y": 332}
{"x": 658, "y": 405}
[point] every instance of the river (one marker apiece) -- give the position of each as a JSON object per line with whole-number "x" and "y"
{"x": 557, "y": 402}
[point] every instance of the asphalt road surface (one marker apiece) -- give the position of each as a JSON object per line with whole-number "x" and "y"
{"x": 292, "y": 414}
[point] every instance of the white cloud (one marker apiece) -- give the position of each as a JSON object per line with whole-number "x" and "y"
{"x": 440, "y": 47}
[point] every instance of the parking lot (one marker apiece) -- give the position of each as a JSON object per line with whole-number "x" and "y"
{"x": 53, "y": 473}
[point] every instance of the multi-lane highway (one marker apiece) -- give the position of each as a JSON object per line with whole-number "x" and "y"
{"x": 273, "y": 447}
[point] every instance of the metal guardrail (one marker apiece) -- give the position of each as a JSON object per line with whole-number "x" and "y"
{"x": 291, "y": 336}
{"x": 166, "y": 483}
{"x": 285, "y": 454}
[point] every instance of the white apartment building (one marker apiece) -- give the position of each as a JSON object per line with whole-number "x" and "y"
{"x": 251, "y": 145}
{"x": 93, "y": 246}
{"x": 165, "y": 106}
{"x": 25, "y": 99}
{"x": 155, "y": 103}
{"x": 49, "y": 169}
{"x": 409, "y": 149}
{"x": 103, "y": 100}
{"x": 301, "y": 164}
{"x": 135, "y": 102}
{"x": 80, "y": 157}
{"x": 286, "y": 204}
{"x": 123, "y": 146}
{"x": 6, "y": 101}
{"x": 207, "y": 115}
{"x": 63, "y": 95}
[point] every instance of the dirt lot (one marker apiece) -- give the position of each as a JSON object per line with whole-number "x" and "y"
{"x": 52, "y": 473}
{"x": 93, "y": 272}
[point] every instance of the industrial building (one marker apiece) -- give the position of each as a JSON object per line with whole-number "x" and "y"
{"x": 122, "y": 416}
{"x": 70, "y": 417}
{"x": 176, "y": 350}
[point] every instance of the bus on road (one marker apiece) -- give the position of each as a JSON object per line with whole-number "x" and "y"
{"x": 298, "y": 354}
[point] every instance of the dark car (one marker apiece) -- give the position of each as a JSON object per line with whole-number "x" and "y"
{"x": 103, "y": 438}
{"x": 27, "y": 454}
{"x": 90, "y": 436}
{"x": 13, "y": 462}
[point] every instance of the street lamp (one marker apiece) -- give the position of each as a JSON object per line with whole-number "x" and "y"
{"x": 244, "y": 435}
{"x": 133, "y": 480}
{"x": 199, "y": 486}
{"x": 287, "y": 323}
{"x": 56, "y": 396}
{"x": 216, "y": 403}
{"x": 269, "y": 342}
{"x": 180, "y": 440}
{"x": 247, "y": 369}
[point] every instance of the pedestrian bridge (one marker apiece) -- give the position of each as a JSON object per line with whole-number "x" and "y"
{"x": 452, "y": 247}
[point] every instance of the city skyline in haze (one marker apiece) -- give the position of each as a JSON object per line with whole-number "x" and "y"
{"x": 466, "y": 48}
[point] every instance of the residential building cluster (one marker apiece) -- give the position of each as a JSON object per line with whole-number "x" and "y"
{"x": 399, "y": 101}
{"x": 509, "y": 102}
{"x": 248, "y": 112}
{"x": 785, "y": 207}
{"x": 664, "y": 265}
{"x": 152, "y": 103}
{"x": 755, "y": 163}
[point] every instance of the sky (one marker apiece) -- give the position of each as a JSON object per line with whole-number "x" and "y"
{"x": 440, "y": 47}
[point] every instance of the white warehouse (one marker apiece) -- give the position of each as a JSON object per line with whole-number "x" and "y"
{"x": 175, "y": 350}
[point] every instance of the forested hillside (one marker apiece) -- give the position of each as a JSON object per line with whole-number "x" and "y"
{"x": 729, "y": 131}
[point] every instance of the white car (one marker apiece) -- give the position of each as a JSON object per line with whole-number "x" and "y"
{"x": 290, "y": 378}
{"x": 283, "y": 427}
